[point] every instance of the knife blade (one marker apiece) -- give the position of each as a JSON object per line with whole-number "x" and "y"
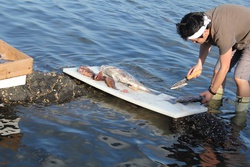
{"x": 184, "y": 81}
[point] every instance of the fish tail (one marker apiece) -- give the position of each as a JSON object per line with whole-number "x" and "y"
{"x": 143, "y": 88}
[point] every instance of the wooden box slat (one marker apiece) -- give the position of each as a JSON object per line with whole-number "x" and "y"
{"x": 20, "y": 64}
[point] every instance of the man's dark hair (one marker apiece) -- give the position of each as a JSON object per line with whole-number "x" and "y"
{"x": 190, "y": 24}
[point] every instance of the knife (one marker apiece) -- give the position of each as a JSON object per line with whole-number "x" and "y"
{"x": 184, "y": 81}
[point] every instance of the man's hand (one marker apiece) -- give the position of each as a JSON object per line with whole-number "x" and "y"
{"x": 206, "y": 97}
{"x": 193, "y": 70}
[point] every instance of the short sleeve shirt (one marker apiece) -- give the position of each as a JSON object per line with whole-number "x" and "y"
{"x": 230, "y": 26}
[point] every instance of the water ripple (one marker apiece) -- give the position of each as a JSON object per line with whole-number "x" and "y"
{"x": 99, "y": 129}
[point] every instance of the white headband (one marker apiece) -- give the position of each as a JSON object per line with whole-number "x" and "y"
{"x": 202, "y": 29}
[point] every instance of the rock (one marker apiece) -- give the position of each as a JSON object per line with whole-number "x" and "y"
{"x": 44, "y": 88}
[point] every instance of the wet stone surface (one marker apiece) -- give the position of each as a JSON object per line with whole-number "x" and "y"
{"x": 44, "y": 88}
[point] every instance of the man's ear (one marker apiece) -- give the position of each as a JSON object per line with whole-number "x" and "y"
{"x": 206, "y": 32}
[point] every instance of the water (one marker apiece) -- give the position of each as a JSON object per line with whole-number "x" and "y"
{"x": 98, "y": 129}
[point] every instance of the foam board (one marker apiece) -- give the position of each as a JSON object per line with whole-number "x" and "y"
{"x": 157, "y": 102}
{"x": 15, "y": 81}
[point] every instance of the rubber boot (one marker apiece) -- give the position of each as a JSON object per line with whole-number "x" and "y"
{"x": 239, "y": 120}
{"x": 215, "y": 103}
{"x": 241, "y": 103}
{"x": 218, "y": 95}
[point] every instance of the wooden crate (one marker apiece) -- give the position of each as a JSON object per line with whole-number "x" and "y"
{"x": 20, "y": 64}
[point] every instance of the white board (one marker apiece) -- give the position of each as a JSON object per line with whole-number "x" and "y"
{"x": 160, "y": 103}
{"x": 14, "y": 81}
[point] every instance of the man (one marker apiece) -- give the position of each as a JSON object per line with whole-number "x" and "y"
{"x": 227, "y": 27}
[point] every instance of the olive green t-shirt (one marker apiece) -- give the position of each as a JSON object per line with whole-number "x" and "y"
{"x": 230, "y": 26}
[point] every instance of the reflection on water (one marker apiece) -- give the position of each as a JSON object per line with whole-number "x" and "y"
{"x": 10, "y": 136}
{"x": 11, "y": 141}
{"x": 239, "y": 122}
{"x": 8, "y": 126}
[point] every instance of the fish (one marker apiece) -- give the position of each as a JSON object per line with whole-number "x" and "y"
{"x": 189, "y": 99}
{"x": 84, "y": 70}
{"x": 119, "y": 75}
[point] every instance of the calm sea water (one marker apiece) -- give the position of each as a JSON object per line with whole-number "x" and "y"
{"x": 97, "y": 129}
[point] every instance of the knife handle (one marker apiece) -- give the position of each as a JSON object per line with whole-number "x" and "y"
{"x": 193, "y": 75}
